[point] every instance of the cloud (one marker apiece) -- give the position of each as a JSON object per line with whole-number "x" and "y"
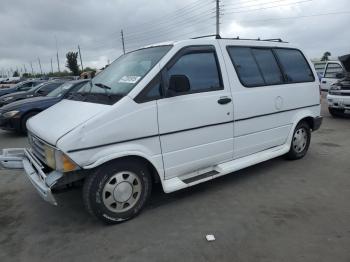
{"x": 28, "y": 28}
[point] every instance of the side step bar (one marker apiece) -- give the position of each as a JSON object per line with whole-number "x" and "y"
{"x": 200, "y": 177}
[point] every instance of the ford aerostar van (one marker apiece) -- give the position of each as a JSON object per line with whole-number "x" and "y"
{"x": 178, "y": 113}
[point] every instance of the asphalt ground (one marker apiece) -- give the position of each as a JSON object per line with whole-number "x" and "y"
{"x": 275, "y": 211}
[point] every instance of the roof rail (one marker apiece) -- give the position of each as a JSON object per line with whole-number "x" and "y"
{"x": 216, "y": 36}
{"x": 238, "y": 38}
{"x": 274, "y": 40}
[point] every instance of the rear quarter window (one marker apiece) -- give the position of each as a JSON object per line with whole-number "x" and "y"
{"x": 295, "y": 66}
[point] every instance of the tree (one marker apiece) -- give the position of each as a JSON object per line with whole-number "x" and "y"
{"x": 15, "y": 74}
{"x": 326, "y": 56}
{"x": 72, "y": 62}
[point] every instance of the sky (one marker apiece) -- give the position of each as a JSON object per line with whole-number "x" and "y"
{"x": 29, "y": 29}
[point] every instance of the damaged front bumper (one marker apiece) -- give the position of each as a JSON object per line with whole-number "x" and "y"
{"x": 22, "y": 158}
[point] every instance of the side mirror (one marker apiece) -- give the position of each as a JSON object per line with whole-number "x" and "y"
{"x": 178, "y": 84}
{"x": 340, "y": 75}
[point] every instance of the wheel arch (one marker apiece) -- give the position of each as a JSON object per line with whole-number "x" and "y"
{"x": 34, "y": 110}
{"x": 149, "y": 164}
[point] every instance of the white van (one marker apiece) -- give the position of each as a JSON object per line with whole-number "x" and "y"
{"x": 179, "y": 113}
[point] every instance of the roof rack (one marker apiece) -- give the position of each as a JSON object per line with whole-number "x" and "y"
{"x": 238, "y": 38}
{"x": 204, "y": 36}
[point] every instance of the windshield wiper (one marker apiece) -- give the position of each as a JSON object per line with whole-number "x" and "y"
{"x": 102, "y": 86}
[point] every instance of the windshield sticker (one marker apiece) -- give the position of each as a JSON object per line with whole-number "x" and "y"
{"x": 129, "y": 79}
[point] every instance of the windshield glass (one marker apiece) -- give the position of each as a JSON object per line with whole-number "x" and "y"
{"x": 36, "y": 87}
{"x": 120, "y": 77}
{"x": 61, "y": 90}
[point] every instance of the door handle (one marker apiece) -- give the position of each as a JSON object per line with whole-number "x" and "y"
{"x": 324, "y": 82}
{"x": 224, "y": 100}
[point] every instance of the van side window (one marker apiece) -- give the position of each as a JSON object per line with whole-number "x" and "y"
{"x": 201, "y": 70}
{"x": 332, "y": 70}
{"x": 268, "y": 66}
{"x": 246, "y": 67}
{"x": 256, "y": 66}
{"x": 295, "y": 66}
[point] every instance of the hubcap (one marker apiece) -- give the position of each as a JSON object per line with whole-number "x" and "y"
{"x": 121, "y": 192}
{"x": 299, "y": 140}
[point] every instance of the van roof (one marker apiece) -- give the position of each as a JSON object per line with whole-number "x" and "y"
{"x": 257, "y": 41}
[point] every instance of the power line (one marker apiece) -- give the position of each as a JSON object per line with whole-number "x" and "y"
{"x": 258, "y": 4}
{"x": 264, "y": 8}
{"x": 296, "y": 17}
{"x": 199, "y": 16}
{"x": 170, "y": 15}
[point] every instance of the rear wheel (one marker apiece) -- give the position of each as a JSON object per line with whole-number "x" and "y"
{"x": 300, "y": 141}
{"x": 117, "y": 191}
{"x": 336, "y": 112}
{"x": 24, "y": 121}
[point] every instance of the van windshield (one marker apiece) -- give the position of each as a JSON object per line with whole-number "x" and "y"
{"x": 120, "y": 77}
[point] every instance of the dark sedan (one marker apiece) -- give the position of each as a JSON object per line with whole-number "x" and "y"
{"x": 22, "y": 86}
{"x": 40, "y": 90}
{"x": 14, "y": 116}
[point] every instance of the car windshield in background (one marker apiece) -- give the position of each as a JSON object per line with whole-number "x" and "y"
{"x": 119, "y": 78}
{"x": 36, "y": 87}
{"x": 61, "y": 90}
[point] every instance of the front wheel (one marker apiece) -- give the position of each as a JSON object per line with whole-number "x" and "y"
{"x": 117, "y": 191}
{"x": 300, "y": 141}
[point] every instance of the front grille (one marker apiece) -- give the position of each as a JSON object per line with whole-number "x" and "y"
{"x": 37, "y": 147}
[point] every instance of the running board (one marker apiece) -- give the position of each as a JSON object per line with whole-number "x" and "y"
{"x": 176, "y": 183}
{"x": 200, "y": 177}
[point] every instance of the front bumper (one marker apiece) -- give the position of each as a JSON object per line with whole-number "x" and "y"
{"x": 338, "y": 101}
{"x": 22, "y": 158}
{"x": 11, "y": 124}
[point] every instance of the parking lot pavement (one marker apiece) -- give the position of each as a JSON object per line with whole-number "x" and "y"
{"x": 275, "y": 211}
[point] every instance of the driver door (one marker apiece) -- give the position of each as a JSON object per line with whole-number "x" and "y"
{"x": 196, "y": 124}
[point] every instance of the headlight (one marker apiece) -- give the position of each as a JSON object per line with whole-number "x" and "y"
{"x": 335, "y": 87}
{"x": 58, "y": 160}
{"x": 10, "y": 114}
{"x": 7, "y": 98}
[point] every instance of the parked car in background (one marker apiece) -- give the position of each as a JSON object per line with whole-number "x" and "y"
{"x": 39, "y": 90}
{"x": 320, "y": 66}
{"x": 333, "y": 71}
{"x": 22, "y": 86}
{"x": 14, "y": 116}
{"x": 338, "y": 97}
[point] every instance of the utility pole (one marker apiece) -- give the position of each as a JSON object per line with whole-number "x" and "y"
{"x": 51, "y": 66}
{"x": 25, "y": 69}
{"x": 41, "y": 71}
{"x": 58, "y": 60}
{"x": 121, "y": 32}
{"x": 81, "y": 61}
{"x": 217, "y": 17}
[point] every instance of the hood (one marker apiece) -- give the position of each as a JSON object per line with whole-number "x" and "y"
{"x": 26, "y": 102}
{"x": 14, "y": 94}
{"x": 58, "y": 120}
{"x": 345, "y": 60}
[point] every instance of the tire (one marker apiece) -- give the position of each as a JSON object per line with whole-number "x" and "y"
{"x": 24, "y": 121}
{"x": 336, "y": 112}
{"x": 117, "y": 191}
{"x": 300, "y": 141}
